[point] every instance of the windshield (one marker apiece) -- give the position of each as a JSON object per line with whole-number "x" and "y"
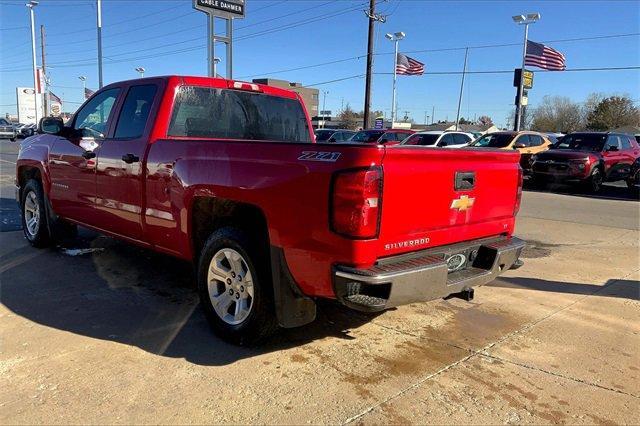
{"x": 323, "y": 135}
{"x": 493, "y": 140}
{"x": 583, "y": 142}
{"x": 367, "y": 136}
{"x": 421, "y": 139}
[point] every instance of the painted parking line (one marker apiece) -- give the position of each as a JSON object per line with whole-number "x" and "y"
{"x": 7, "y": 161}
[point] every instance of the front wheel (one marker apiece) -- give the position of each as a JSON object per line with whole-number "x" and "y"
{"x": 34, "y": 216}
{"x": 234, "y": 288}
{"x": 594, "y": 183}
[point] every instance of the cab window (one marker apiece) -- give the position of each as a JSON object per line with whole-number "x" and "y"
{"x": 524, "y": 140}
{"x": 92, "y": 119}
{"x": 461, "y": 139}
{"x": 135, "y": 111}
{"x": 446, "y": 140}
{"x": 535, "y": 140}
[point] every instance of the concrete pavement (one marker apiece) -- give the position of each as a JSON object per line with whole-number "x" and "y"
{"x": 116, "y": 336}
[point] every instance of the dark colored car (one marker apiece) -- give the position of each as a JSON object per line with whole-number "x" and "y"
{"x": 367, "y": 136}
{"x": 395, "y": 136}
{"x": 27, "y": 130}
{"x": 633, "y": 181}
{"x": 587, "y": 158}
{"x": 333, "y": 135}
{"x": 7, "y": 130}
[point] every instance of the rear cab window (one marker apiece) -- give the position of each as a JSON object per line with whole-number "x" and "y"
{"x": 218, "y": 113}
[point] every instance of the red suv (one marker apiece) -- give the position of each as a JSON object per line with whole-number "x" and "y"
{"x": 589, "y": 158}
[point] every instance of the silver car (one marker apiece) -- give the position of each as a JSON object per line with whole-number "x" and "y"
{"x": 7, "y": 130}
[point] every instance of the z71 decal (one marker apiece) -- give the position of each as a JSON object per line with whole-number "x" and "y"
{"x": 319, "y": 156}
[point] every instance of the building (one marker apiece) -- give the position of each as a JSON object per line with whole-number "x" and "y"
{"x": 309, "y": 96}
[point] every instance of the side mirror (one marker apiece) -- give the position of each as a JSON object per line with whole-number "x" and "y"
{"x": 519, "y": 146}
{"x": 612, "y": 148}
{"x": 50, "y": 125}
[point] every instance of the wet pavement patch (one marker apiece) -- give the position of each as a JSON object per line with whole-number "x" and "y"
{"x": 538, "y": 249}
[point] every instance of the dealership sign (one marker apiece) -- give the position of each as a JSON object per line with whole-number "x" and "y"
{"x": 222, "y": 8}
{"x": 28, "y": 101}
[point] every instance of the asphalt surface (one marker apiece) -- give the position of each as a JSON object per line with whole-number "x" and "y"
{"x": 98, "y": 331}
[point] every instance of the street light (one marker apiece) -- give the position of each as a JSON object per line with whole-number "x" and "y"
{"x": 324, "y": 102}
{"x": 216, "y": 61}
{"x": 141, "y": 71}
{"x": 529, "y": 18}
{"x": 395, "y": 38}
{"x": 84, "y": 86}
{"x": 31, "y": 5}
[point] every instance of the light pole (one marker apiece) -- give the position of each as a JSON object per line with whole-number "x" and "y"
{"x": 464, "y": 71}
{"x": 84, "y": 87}
{"x": 395, "y": 38}
{"x": 99, "y": 26}
{"x": 140, "y": 71}
{"x": 31, "y": 5}
{"x": 530, "y": 18}
{"x": 324, "y": 102}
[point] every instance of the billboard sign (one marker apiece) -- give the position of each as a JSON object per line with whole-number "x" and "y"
{"x": 222, "y": 8}
{"x": 528, "y": 78}
{"x": 379, "y": 123}
{"x": 28, "y": 101}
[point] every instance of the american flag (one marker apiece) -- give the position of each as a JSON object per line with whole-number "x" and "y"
{"x": 541, "y": 56}
{"x": 88, "y": 93}
{"x": 408, "y": 66}
{"x": 55, "y": 98}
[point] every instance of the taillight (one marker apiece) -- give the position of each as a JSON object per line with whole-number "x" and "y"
{"x": 519, "y": 192}
{"x": 356, "y": 202}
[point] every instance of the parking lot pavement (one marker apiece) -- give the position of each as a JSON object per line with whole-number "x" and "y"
{"x": 115, "y": 336}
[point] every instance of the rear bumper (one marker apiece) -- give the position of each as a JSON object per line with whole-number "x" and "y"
{"x": 424, "y": 276}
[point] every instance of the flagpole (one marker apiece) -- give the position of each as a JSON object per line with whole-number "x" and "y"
{"x": 521, "y": 87}
{"x": 464, "y": 71}
{"x": 395, "y": 76}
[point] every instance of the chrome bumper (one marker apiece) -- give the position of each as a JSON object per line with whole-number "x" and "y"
{"x": 424, "y": 276}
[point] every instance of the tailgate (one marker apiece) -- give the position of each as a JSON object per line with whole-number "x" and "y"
{"x": 421, "y": 206}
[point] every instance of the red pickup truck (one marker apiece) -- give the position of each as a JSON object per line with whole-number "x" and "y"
{"x": 226, "y": 174}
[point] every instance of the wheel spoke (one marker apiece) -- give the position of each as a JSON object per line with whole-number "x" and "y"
{"x": 235, "y": 262}
{"x": 217, "y": 272}
{"x": 222, "y": 303}
{"x": 239, "y": 309}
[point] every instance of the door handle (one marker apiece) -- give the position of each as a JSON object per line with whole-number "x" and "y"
{"x": 130, "y": 158}
{"x": 88, "y": 155}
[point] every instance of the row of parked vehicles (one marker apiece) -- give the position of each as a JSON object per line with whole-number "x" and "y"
{"x": 585, "y": 158}
{"x": 12, "y": 131}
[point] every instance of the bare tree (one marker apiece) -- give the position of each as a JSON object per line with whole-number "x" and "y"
{"x": 557, "y": 114}
{"x": 485, "y": 120}
{"x": 348, "y": 118}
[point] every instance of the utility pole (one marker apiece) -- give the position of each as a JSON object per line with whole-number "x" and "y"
{"x": 464, "y": 71}
{"x": 371, "y": 14}
{"x": 324, "y": 102}
{"x": 47, "y": 101}
{"x": 99, "y": 25}
{"x": 433, "y": 114}
{"x": 31, "y": 5}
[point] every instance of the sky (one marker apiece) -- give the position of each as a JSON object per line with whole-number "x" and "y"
{"x": 276, "y": 37}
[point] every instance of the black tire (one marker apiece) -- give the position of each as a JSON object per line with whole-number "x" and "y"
{"x": 12, "y": 139}
{"x": 32, "y": 193}
{"x": 594, "y": 182}
{"x": 261, "y": 321}
{"x": 538, "y": 182}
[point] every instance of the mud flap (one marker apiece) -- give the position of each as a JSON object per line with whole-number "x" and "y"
{"x": 293, "y": 309}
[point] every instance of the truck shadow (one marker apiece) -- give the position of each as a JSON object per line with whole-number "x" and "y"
{"x": 105, "y": 289}
{"x": 625, "y": 289}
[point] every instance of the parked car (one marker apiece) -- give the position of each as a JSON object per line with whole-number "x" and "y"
{"x": 527, "y": 143}
{"x": 394, "y": 136}
{"x": 333, "y": 135}
{"x": 440, "y": 139}
{"x": 7, "y": 130}
{"x": 587, "y": 158}
{"x": 633, "y": 181}
{"x": 367, "y": 136}
{"x": 28, "y": 130}
{"x": 271, "y": 226}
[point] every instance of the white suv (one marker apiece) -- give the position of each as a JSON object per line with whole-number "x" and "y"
{"x": 439, "y": 139}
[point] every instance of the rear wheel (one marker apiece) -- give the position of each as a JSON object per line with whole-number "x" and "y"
{"x": 538, "y": 182}
{"x": 234, "y": 288}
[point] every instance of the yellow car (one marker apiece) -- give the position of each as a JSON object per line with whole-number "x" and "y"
{"x": 528, "y": 143}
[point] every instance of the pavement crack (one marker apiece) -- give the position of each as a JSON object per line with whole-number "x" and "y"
{"x": 563, "y": 376}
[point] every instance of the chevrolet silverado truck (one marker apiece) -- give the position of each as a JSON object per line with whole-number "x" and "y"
{"x": 226, "y": 174}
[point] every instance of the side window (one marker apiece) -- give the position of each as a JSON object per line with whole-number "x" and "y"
{"x": 524, "y": 140}
{"x": 446, "y": 140}
{"x": 461, "y": 139}
{"x": 94, "y": 116}
{"x": 612, "y": 141}
{"x": 3, "y": 122}
{"x": 626, "y": 142}
{"x": 535, "y": 140}
{"x": 135, "y": 111}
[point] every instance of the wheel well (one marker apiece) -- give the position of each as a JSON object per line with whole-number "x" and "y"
{"x": 25, "y": 173}
{"x": 209, "y": 214}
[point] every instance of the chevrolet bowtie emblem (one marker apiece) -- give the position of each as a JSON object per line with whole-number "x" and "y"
{"x": 463, "y": 203}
